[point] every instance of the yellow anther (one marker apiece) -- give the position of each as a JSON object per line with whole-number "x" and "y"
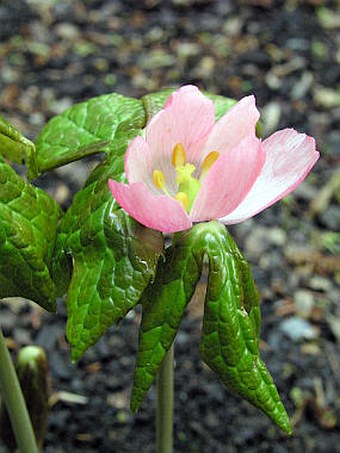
{"x": 178, "y": 155}
{"x": 209, "y": 160}
{"x": 159, "y": 179}
{"x": 183, "y": 199}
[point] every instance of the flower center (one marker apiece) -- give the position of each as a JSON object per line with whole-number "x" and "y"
{"x": 188, "y": 185}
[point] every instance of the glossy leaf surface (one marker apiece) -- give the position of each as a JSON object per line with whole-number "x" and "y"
{"x": 231, "y": 324}
{"x": 108, "y": 256}
{"x": 164, "y": 303}
{"x": 97, "y": 125}
{"x": 28, "y": 223}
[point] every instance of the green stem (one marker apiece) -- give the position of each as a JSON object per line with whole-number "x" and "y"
{"x": 165, "y": 404}
{"x": 15, "y": 403}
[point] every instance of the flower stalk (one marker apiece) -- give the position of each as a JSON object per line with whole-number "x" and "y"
{"x": 165, "y": 404}
{"x": 15, "y": 403}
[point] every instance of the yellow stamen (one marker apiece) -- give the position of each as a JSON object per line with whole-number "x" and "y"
{"x": 207, "y": 163}
{"x": 159, "y": 179}
{"x": 178, "y": 155}
{"x": 183, "y": 199}
{"x": 209, "y": 160}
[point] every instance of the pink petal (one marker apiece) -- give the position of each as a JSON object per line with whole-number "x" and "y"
{"x": 138, "y": 162}
{"x": 238, "y": 123}
{"x": 187, "y": 118}
{"x": 229, "y": 180}
{"x": 160, "y": 212}
{"x": 289, "y": 158}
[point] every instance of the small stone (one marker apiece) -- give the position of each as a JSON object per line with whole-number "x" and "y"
{"x": 334, "y": 324}
{"x": 206, "y": 67}
{"x": 304, "y": 302}
{"x": 331, "y": 218}
{"x": 273, "y": 81}
{"x": 326, "y": 97}
{"x": 319, "y": 283}
{"x": 301, "y": 88}
{"x": 60, "y": 105}
{"x": 211, "y": 420}
{"x": 310, "y": 349}
{"x": 188, "y": 49}
{"x": 66, "y": 30}
{"x": 256, "y": 243}
{"x": 333, "y": 140}
{"x": 62, "y": 193}
{"x": 271, "y": 115}
{"x": 298, "y": 329}
{"x": 277, "y": 236}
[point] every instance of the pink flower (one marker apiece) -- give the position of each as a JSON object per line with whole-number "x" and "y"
{"x": 189, "y": 168}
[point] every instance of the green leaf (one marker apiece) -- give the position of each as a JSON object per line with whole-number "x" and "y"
{"x": 17, "y": 148}
{"x": 97, "y": 125}
{"x": 231, "y": 325}
{"x": 154, "y": 102}
{"x": 164, "y": 303}
{"x": 28, "y": 223}
{"x": 109, "y": 256}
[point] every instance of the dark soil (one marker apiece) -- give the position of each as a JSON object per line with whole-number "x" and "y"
{"x": 56, "y": 53}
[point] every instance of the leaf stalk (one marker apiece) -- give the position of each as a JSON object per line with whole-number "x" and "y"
{"x": 15, "y": 402}
{"x": 165, "y": 404}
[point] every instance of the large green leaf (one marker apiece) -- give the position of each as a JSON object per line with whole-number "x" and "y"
{"x": 17, "y": 148}
{"x": 230, "y": 337}
{"x": 164, "y": 303}
{"x": 109, "y": 257}
{"x": 28, "y": 223}
{"x": 96, "y": 125}
{"x": 231, "y": 324}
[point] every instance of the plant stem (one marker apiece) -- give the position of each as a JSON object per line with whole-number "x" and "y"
{"x": 165, "y": 404}
{"x": 15, "y": 403}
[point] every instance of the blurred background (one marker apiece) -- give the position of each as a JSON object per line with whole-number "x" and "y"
{"x": 55, "y": 53}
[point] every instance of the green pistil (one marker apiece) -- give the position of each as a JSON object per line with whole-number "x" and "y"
{"x": 187, "y": 183}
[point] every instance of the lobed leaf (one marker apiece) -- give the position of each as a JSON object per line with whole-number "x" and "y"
{"x": 85, "y": 129}
{"x": 28, "y": 223}
{"x": 164, "y": 303}
{"x": 109, "y": 258}
{"x": 231, "y": 324}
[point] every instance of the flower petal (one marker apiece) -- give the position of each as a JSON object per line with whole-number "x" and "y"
{"x": 238, "y": 123}
{"x": 229, "y": 180}
{"x": 161, "y": 212}
{"x": 187, "y": 118}
{"x": 138, "y": 162}
{"x": 289, "y": 158}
